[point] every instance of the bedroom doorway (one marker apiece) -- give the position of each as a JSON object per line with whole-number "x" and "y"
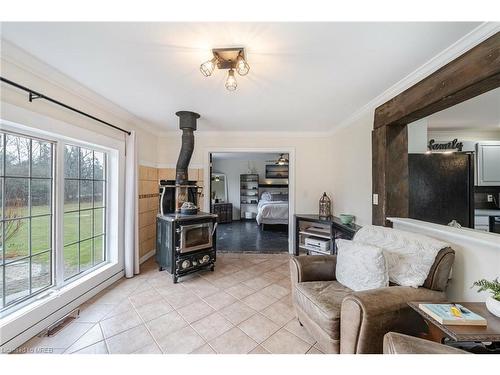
{"x": 251, "y": 192}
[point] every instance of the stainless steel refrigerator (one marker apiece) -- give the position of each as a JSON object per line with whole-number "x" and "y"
{"x": 441, "y": 188}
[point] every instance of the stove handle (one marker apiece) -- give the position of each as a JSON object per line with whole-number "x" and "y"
{"x": 161, "y": 199}
{"x": 214, "y": 228}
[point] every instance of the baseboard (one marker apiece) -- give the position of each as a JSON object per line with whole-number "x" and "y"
{"x": 146, "y": 256}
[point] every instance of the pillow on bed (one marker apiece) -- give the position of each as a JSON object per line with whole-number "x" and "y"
{"x": 361, "y": 267}
{"x": 266, "y": 196}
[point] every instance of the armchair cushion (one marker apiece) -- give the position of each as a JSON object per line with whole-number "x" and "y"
{"x": 360, "y": 266}
{"x": 321, "y": 301}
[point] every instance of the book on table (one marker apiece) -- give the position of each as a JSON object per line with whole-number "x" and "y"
{"x": 442, "y": 312}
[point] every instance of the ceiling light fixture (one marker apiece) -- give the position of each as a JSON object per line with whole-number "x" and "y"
{"x": 227, "y": 58}
{"x": 208, "y": 67}
{"x": 231, "y": 83}
{"x": 242, "y": 66}
{"x": 282, "y": 160}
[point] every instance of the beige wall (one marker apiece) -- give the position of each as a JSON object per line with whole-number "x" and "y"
{"x": 312, "y": 161}
{"x": 351, "y": 167}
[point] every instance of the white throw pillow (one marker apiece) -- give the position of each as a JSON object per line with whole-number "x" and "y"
{"x": 361, "y": 267}
{"x": 410, "y": 256}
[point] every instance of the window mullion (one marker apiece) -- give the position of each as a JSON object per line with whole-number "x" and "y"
{"x": 30, "y": 167}
{"x": 58, "y": 197}
{"x": 4, "y": 291}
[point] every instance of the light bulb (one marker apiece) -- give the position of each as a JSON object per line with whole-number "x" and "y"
{"x": 231, "y": 81}
{"x": 208, "y": 67}
{"x": 242, "y": 66}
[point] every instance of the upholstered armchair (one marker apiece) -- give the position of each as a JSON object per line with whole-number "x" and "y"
{"x": 344, "y": 321}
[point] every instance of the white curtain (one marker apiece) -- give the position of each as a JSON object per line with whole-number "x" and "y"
{"x": 131, "y": 208}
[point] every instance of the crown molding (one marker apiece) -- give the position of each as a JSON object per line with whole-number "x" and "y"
{"x": 25, "y": 61}
{"x": 468, "y": 41}
{"x": 244, "y": 134}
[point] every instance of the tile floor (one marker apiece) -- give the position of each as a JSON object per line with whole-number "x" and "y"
{"x": 242, "y": 307}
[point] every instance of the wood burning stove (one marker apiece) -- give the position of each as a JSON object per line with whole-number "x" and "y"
{"x": 186, "y": 243}
{"x": 185, "y": 236}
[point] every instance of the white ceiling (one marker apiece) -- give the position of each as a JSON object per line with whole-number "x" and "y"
{"x": 479, "y": 113}
{"x": 303, "y": 76}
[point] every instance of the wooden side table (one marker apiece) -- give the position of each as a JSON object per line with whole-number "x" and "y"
{"x": 438, "y": 332}
{"x": 332, "y": 227}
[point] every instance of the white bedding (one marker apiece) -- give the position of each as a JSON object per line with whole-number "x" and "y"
{"x": 272, "y": 212}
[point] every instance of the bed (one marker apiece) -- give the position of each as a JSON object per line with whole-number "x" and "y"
{"x": 272, "y": 209}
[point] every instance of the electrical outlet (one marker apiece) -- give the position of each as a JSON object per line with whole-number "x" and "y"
{"x": 375, "y": 199}
{"x": 489, "y": 197}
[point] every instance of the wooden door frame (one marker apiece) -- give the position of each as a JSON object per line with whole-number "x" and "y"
{"x": 471, "y": 74}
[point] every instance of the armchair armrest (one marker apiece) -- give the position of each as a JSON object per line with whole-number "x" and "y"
{"x": 368, "y": 315}
{"x": 312, "y": 268}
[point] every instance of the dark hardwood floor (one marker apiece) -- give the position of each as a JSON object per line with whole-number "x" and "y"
{"x": 247, "y": 236}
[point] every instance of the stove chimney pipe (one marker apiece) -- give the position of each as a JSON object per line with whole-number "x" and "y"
{"x": 187, "y": 123}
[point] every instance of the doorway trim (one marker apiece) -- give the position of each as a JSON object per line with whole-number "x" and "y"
{"x": 291, "y": 180}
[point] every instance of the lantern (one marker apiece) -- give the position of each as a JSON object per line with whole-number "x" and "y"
{"x": 325, "y": 207}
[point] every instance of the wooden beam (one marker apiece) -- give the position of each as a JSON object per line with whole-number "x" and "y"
{"x": 390, "y": 173}
{"x": 469, "y": 75}
{"x": 378, "y": 174}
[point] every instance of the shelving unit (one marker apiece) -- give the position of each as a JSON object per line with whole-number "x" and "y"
{"x": 249, "y": 195}
{"x": 325, "y": 229}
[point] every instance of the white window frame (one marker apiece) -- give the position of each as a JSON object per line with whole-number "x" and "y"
{"x": 47, "y": 308}
{"x": 60, "y": 279}
{"x": 24, "y": 300}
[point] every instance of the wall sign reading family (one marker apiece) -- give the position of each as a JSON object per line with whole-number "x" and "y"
{"x": 445, "y": 146}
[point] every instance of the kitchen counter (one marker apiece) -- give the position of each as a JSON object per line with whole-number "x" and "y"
{"x": 486, "y": 212}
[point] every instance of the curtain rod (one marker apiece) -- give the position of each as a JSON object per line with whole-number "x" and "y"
{"x": 36, "y": 95}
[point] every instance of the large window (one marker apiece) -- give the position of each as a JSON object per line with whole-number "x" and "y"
{"x": 84, "y": 209}
{"x": 35, "y": 253}
{"x": 26, "y": 245}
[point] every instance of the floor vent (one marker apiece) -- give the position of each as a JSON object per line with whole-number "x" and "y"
{"x": 61, "y": 323}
